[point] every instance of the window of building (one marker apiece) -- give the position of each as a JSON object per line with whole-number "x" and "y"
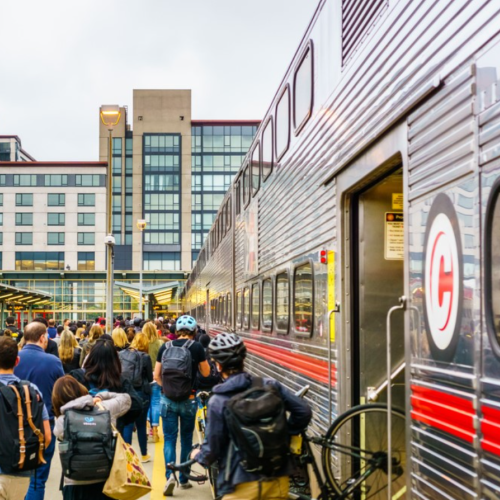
{"x": 267, "y": 305}
{"x": 267, "y": 150}
{"x": 88, "y": 180}
{"x": 86, "y": 261}
{"x": 162, "y": 261}
{"x": 238, "y": 310}
{"x": 24, "y": 199}
{"x": 86, "y": 238}
{"x": 129, "y": 146}
{"x": 55, "y": 238}
{"x": 129, "y": 166}
{"x": 24, "y": 180}
{"x": 56, "y": 219}
{"x": 117, "y": 203}
{"x": 246, "y": 308}
{"x": 56, "y": 200}
{"x": 283, "y": 123}
{"x": 282, "y": 302}
{"x": 117, "y": 145}
{"x": 255, "y": 306}
{"x": 86, "y": 199}
{"x": 1, "y": 239}
{"x": 303, "y": 299}
{"x": 161, "y": 182}
{"x": 229, "y": 307}
{"x": 24, "y": 219}
{"x": 117, "y": 165}
{"x": 39, "y": 261}
{"x": 246, "y": 186}
{"x": 56, "y": 180}
{"x": 255, "y": 169}
{"x": 1, "y": 199}
{"x": 303, "y": 90}
{"x": 86, "y": 219}
{"x": 161, "y": 201}
{"x": 162, "y": 221}
{"x": 161, "y": 143}
{"x": 24, "y": 238}
{"x": 161, "y": 238}
{"x": 2, "y": 183}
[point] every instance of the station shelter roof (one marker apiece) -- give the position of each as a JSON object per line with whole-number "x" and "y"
{"x": 163, "y": 294}
{"x": 22, "y": 296}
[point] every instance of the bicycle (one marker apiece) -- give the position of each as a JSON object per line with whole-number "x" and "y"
{"x": 201, "y": 425}
{"x": 354, "y": 455}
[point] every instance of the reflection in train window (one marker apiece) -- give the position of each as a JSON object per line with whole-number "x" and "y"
{"x": 283, "y": 124}
{"x": 303, "y": 90}
{"x": 267, "y": 305}
{"x": 267, "y": 150}
{"x": 246, "y": 308}
{"x": 492, "y": 271}
{"x": 222, "y": 311}
{"x": 282, "y": 302}
{"x": 303, "y": 299}
{"x": 246, "y": 186}
{"x": 255, "y": 169}
{"x": 255, "y": 306}
{"x": 238, "y": 309}
{"x": 229, "y": 309}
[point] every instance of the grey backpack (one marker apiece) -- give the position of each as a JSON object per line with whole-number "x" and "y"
{"x": 177, "y": 371}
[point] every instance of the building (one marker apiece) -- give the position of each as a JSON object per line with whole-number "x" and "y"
{"x": 11, "y": 149}
{"x": 172, "y": 171}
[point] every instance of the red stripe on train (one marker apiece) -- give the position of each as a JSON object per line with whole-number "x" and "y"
{"x": 449, "y": 413}
{"x": 316, "y": 369}
{"x": 490, "y": 427}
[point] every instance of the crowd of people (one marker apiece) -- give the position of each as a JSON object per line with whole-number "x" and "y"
{"x": 143, "y": 371}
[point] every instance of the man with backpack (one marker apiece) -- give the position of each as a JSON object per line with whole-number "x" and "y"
{"x": 16, "y": 463}
{"x": 176, "y": 367}
{"x": 41, "y": 369}
{"x": 248, "y": 432}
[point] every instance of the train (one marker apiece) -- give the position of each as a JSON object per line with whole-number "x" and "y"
{"x": 358, "y": 248}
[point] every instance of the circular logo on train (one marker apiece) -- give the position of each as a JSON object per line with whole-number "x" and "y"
{"x": 443, "y": 278}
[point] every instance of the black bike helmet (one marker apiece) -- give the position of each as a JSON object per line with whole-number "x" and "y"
{"x": 227, "y": 349}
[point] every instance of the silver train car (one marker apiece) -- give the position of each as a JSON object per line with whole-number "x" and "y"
{"x": 372, "y": 186}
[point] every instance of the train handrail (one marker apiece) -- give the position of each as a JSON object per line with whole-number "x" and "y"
{"x": 374, "y": 392}
{"x": 336, "y": 309}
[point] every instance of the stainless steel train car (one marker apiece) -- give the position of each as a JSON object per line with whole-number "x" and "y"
{"x": 372, "y": 186}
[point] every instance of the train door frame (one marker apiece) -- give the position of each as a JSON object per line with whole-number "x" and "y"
{"x": 384, "y": 156}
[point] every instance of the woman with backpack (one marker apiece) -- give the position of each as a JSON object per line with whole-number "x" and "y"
{"x": 68, "y": 394}
{"x": 102, "y": 372}
{"x": 155, "y": 343}
{"x": 120, "y": 339}
{"x": 137, "y": 367}
{"x": 69, "y": 352}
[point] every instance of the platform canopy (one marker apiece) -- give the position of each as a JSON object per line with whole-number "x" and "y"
{"x": 163, "y": 294}
{"x": 22, "y": 296}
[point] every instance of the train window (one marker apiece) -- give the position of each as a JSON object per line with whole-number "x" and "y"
{"x": 222, "y": 311}
{"x": 303, "y": 299}
{"x": 267, "y": 150}
{"x": 255, "y": 306}
{"x": 229, "y": 309}
{"x": 246, "y": 186}
{"x": 255, "y": 169}
{"x": 283, "y": 123}
{"x": 282, "y": 302}
{"x": 267, "y": 305}
{"x": 303, "y": 90}
{"x": 238, "y": 309}
{"x": 238, "y": 197}
{"x": 246, "y": 309}
{"x": 228, "y": 214}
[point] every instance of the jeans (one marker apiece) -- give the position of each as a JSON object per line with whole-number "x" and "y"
{"x": 36, "y": 491}
{"x": 171, "y": 412}
{"x": 154, "y": 408}
{"x": 141, "y": 424}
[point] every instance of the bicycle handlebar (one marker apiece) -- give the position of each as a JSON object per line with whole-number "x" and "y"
{"x": 185, "y": 469}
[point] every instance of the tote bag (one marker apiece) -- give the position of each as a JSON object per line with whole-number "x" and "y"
{"x": 127, "y": 479}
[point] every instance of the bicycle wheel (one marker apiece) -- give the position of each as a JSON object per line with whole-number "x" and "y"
{"x": 355, "y": 455}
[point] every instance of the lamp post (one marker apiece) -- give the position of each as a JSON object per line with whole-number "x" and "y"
{"x": 110, "y": 116}
{"x": 141, "y": 225}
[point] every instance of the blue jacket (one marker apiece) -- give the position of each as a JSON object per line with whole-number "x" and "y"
{"x": 217, "y": 443}
{"x": 41, "y": 369}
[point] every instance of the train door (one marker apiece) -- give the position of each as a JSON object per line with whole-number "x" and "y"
{"x": 378, "y": 283}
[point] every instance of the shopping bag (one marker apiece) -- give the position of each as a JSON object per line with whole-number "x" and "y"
{"x": 127, "y": 479}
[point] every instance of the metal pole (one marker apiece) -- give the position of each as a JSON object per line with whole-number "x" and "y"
{"x": 109, "y": 231}
{"x": 335, "y": 310}
{"x": 140, "y": 280}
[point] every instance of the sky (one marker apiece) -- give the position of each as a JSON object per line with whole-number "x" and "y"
{"x": 62, "y": 59}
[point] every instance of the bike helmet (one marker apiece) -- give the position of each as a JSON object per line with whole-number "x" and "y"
{"x": 186, "y": 323}
{"x": 227, "y": 349}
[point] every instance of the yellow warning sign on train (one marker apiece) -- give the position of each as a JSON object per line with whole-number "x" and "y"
{"x": 394, "y": 236}
{"x": 397, "y": 201}
{"x": 331, "y": 291}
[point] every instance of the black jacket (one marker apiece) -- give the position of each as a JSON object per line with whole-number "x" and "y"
{"x": 52, "y": 348}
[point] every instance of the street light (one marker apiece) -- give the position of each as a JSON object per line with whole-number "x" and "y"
{"x": 110, "y": 116}
{"x": 141, "y": 225}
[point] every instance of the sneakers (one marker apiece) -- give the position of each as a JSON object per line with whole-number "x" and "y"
{"x": 186, "y": 486}
{"x": 156, "y": 438}
{"x": 145, "y": 459}
{"x": 168, "y": 491}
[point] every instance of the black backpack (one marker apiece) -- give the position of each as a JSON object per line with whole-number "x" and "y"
{"x": 256, "y": 419}
{"x": 22, "y": 441}
{"x": 132, "y": 366}
{"x": 209, "y": 382}
{"x": 88, "y": 445}
{"x": 177, "y": 371}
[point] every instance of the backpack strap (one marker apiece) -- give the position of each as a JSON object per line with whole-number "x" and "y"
{"x": 20, "y": 417}
{"x": 188, "y": 344}
{"x": 36, "y": 431}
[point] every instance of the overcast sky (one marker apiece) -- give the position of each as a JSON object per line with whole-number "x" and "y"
{"x": 62, "y": 59}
